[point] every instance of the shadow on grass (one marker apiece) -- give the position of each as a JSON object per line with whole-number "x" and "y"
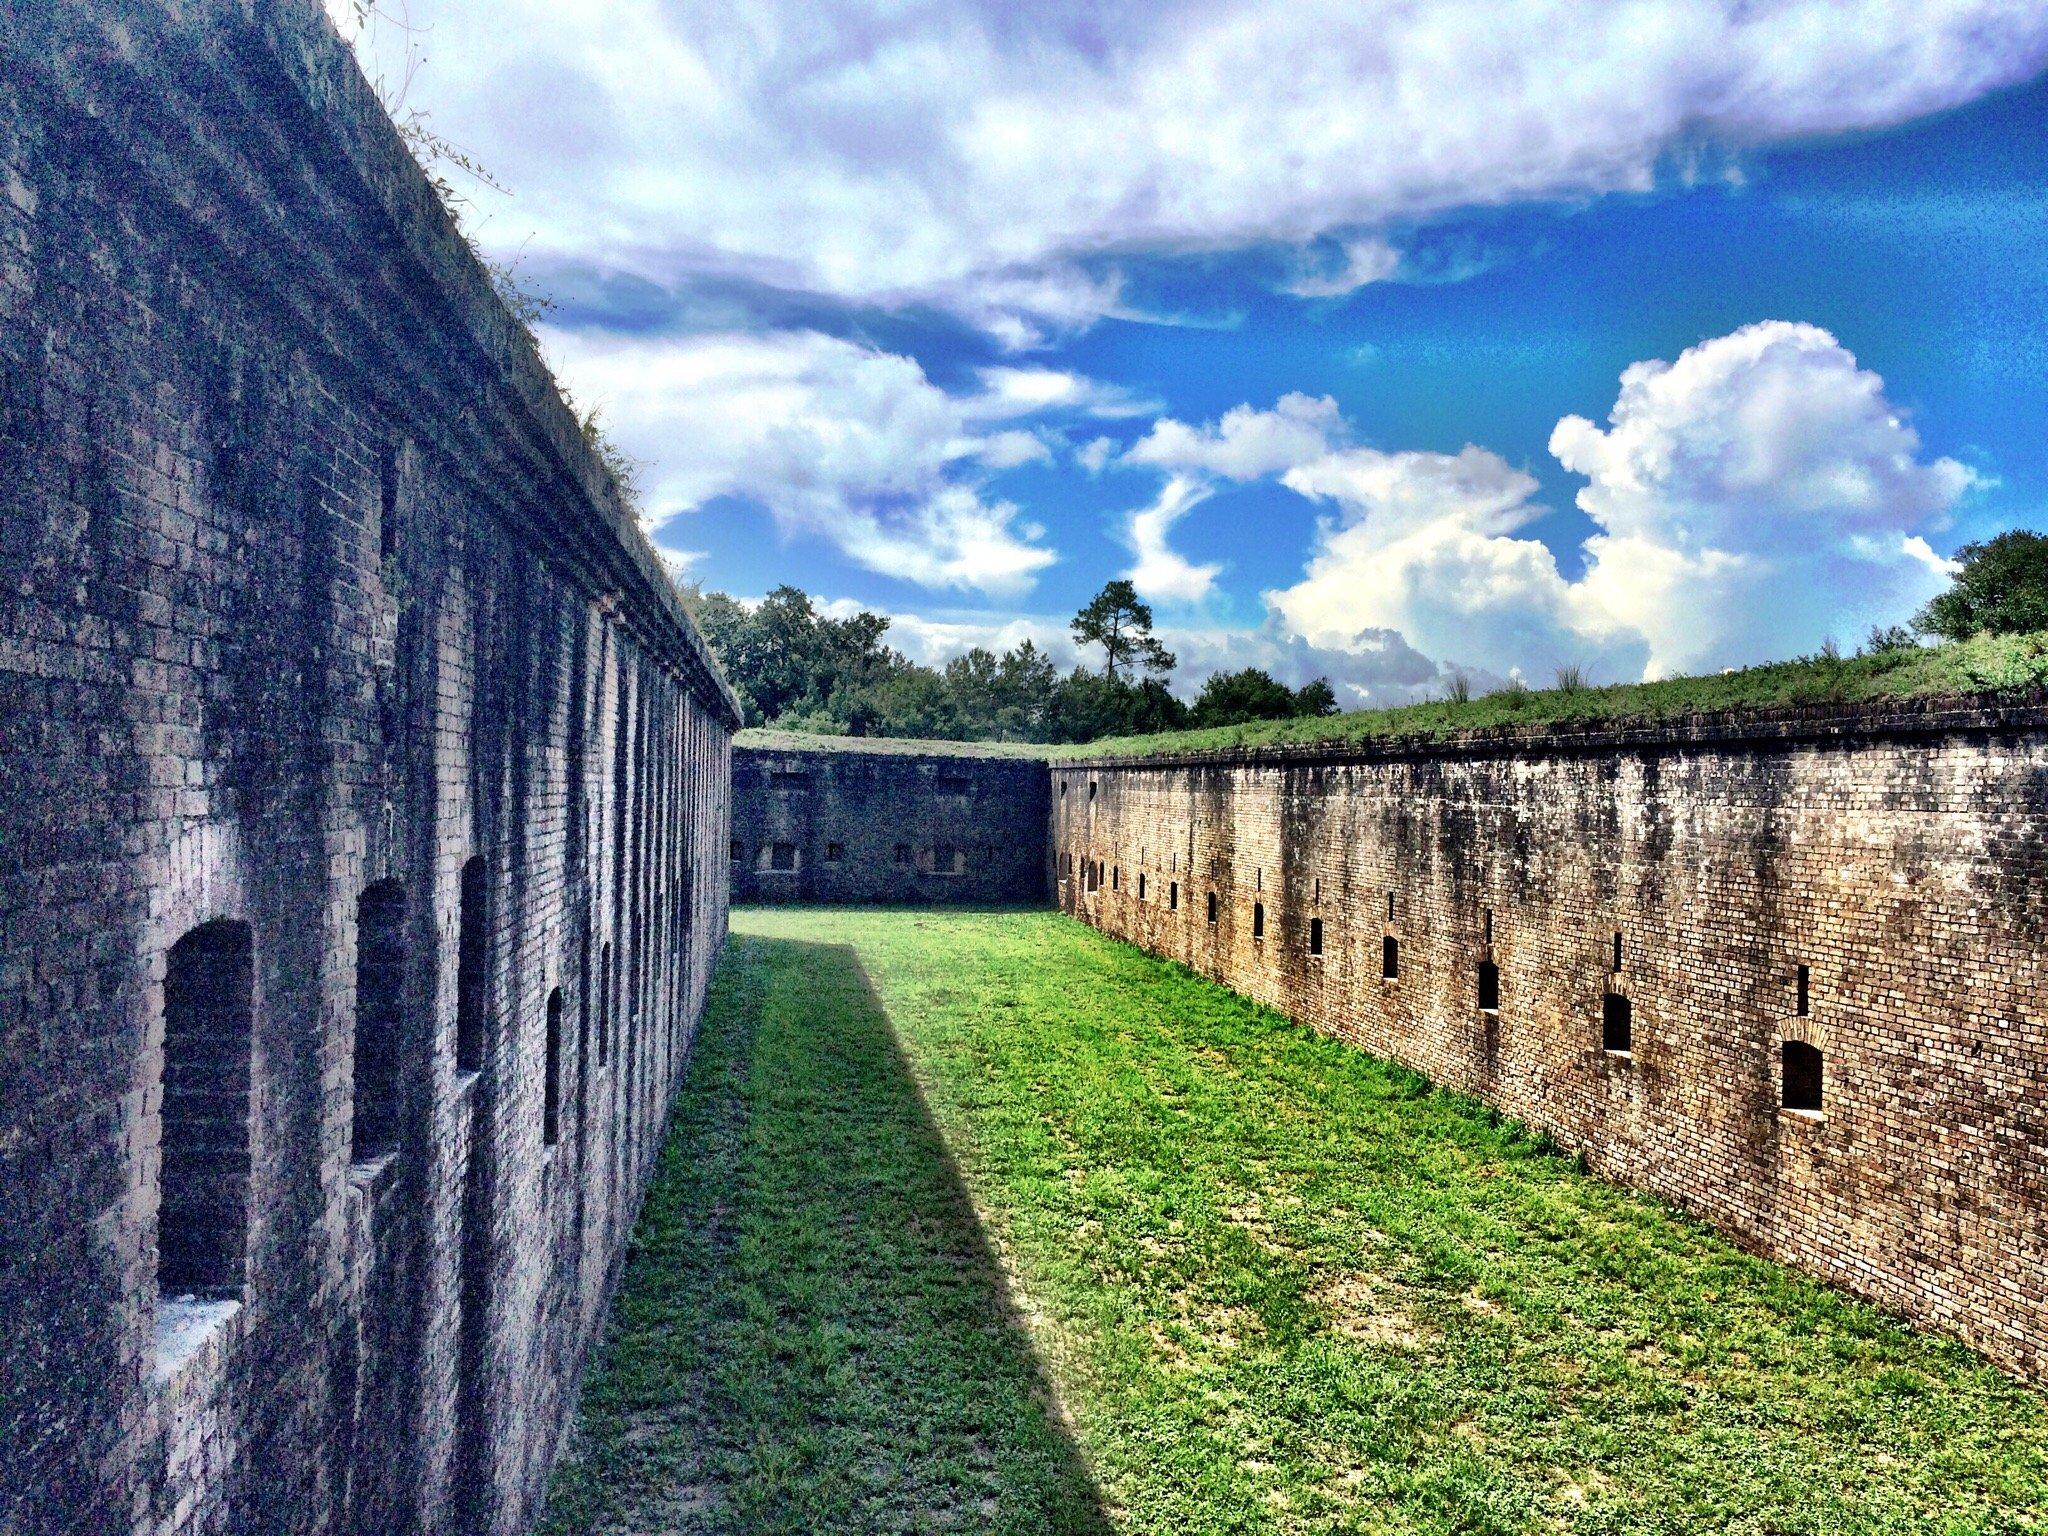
{"x": 813, "y": 1333}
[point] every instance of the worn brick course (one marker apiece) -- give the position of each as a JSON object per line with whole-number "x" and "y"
{"x": 308, "y": 584}
{"x": 1896, "y": 855}
{"x": 836, "y": 823}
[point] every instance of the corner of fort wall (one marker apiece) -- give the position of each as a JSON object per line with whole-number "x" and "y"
{"x": 839, "y": 821}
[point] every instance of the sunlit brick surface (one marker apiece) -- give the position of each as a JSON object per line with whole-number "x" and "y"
{"x": 1898, "y": 857}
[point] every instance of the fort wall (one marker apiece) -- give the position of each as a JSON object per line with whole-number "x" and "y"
{"x": 882, "y": 822}
{"x": 363, "y": 799}
{"x": 1785, "y": 971}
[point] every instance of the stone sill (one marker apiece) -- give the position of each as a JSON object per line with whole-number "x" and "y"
{"x": 370, "y": 1176}
{"x": 1807, "y": 1117}
{"x": 185, "y": 1326}
{"x": 1629, "y": 1056}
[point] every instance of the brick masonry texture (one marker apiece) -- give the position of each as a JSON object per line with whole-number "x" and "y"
{"x": 840, "y": 825}
{"x": 1896, "y": 859}
{"x": 315, "y": 612}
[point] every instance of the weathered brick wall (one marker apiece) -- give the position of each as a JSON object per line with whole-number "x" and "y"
{"x": 847, "y": 822}
{"x": 1899, "y": 860}
{"x": 309, "y": 591}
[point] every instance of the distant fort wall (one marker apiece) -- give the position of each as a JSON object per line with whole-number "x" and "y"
{"x": 887, "y": 822}
{"x": 363, "y": 807}
{"x": 1785, "y": 971}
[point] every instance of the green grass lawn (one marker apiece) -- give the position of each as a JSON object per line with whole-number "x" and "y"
{"x": 983, "y": 1222}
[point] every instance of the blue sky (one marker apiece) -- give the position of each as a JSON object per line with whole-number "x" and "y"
{"x": 1314, "y": 321}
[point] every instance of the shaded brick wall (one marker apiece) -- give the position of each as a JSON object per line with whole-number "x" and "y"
{"x": 844, "y": 824}
{"x": 308, "y": 586}
{"x": 1897, "y": 860}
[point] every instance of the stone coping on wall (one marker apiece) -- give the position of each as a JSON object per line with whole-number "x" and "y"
{"x": 764, "y": 740}
{"x": 274, "y": 78}
{"x": 1985, "y": 714}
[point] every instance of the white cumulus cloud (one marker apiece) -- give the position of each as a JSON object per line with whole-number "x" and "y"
{"x": 1425, "y": 545}
{"x": 1752, "y": 495}
{"x": 1749, "y": 499}
{"x": 1246, "y": 443}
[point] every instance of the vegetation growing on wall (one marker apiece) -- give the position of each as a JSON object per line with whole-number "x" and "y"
{"x": 1890, "y": 666}
{"x": 448, "y": 167}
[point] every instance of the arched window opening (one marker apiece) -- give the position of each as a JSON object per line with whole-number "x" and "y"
{"x": 1141, "y": 887}
{"x": 1390, "y": 957}
{"x": 551, "y": 1091}
{"x": 1315, "y": 935}
{"x": 203, "y": 1193}
{"x": 1617, "y": 1024}
{"x": 1489, "y": 986}
{"x": 380, "y": 1018}
{"x": 1258, "y": 920}
{"x": 471, "y": 967}
{"x": 1116, "y": 876}
{"x": 387, "y": 497}
{"x": 584, "y": 1022}
{"x": 1801, "y": 1079}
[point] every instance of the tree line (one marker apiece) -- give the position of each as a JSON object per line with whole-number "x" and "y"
{"x": 798, "y": 669}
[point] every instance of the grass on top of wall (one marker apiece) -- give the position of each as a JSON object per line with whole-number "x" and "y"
{"x": 1989, "y": 664}
{"x": 768, "y": 738}
{"x": 983, "y": 1222}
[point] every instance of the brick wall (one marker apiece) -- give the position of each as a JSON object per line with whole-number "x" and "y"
{"x": 845, "y": 822}
{"x": 1873, "y": 887}
{"x": 309, "y": 589}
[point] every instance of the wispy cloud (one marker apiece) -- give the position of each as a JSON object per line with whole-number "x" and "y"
{"x": 996, "y": 161}
{"x": 836, "y": 440}
{"x": 1161, "y": 573}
